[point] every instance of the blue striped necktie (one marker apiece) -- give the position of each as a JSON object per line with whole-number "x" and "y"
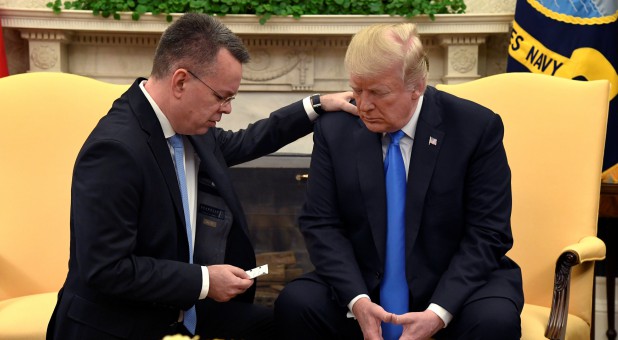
{"x": 190, "y": 317}
{"x": 394, "y": 287}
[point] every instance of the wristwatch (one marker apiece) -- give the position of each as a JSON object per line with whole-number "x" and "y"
{"x": 315, "y": 103}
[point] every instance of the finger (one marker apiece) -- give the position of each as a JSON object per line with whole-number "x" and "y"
{"x": 398, "y": 319}
{"x": 402, "y": 319}
{"x": 388, "y": 317}
{"x": 239, "y": 272}
{"x": 246, "y": 283}
{"x": 350, "y": 108}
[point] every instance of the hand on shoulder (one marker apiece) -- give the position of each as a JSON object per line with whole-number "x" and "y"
{"x": 339, "y": 101}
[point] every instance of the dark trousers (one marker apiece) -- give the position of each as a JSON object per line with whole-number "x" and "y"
{"x": 308, "y": 310}
{"x": 235, "y": 320}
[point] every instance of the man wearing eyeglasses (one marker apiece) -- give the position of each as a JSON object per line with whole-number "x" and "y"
{"x": 159, "y": 242}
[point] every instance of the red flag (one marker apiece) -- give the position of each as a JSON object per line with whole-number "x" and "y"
{"x": 4, "y": 69}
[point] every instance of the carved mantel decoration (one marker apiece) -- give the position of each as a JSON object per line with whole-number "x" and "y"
{"x": 290, "y": 58}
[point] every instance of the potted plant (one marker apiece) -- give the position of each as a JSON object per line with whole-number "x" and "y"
{"x": 263, "y": 9}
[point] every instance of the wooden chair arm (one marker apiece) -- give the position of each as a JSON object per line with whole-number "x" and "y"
{"x": 590, "y": 248}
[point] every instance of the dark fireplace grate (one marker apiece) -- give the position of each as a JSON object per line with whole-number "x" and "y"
{"x": 272, "y": 192}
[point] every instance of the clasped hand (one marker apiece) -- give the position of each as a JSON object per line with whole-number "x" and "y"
{"x": 416, "y": 325}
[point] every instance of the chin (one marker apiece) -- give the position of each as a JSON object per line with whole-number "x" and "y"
{"x": 377, "y": 128}
{"x": 202, "y": 131}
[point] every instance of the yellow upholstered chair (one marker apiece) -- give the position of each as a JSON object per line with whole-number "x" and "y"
{"x": 554, "y": 139}
{"x": 45, "y": 118}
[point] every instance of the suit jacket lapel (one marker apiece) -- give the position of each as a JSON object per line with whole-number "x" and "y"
{"x": 204, "y": 145}
{"x": 422, "y": 163}
{"x": 370, "y": 167}
{"x": 149, "y": 123}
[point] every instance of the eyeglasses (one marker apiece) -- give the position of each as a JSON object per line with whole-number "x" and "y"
{"x": 222, "y": 100}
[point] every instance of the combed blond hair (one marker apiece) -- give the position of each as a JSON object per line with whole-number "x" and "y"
{"x": 376, "y": 48}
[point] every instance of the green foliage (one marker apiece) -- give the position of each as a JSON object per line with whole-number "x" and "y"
{"x": 263, "y": 9}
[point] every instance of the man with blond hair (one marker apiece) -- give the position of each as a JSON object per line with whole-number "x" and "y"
{"x": 407, "y": 218}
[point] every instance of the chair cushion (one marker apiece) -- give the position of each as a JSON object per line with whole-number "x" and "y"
{"x": 534, "y": 321}
{"x": 26, "y": 317}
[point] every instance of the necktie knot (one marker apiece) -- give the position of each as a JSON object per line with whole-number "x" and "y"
{"x": 396, "y": 136}
{"x": 176, "y": 141}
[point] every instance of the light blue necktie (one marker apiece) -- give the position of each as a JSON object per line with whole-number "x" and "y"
{"x": 394, "y": 288}
{"x": 190, "y": 318}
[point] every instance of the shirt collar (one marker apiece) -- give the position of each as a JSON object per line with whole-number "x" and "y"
{"x": 168, "y": 131}
{"x": 410, "y": 128}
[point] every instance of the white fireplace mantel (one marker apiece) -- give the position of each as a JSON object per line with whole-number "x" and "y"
{"x": 291, "y": 58}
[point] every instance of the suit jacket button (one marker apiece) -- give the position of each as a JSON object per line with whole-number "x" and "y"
{"x": 378, "y": 275}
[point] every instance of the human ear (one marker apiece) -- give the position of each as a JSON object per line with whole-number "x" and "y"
{"x": 178, "y": 82}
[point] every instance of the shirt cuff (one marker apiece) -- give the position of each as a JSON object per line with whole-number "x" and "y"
{"x": 310, "y": 112}
{"x": 205, "y": 283}
{"x": 441, "y": 313}
{"x": 351, "y": 304}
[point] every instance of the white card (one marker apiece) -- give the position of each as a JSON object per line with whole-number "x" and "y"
{"x": 258, "y": 271}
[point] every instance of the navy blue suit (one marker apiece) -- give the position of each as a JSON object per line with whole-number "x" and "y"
{"x": 129, "y": 272}
{"x": 458, "y": 210}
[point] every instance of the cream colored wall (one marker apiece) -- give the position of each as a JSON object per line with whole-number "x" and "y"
{"x": 290, "y": 58}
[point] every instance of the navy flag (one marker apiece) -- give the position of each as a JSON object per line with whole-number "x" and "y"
{"x": 575, "y": 39}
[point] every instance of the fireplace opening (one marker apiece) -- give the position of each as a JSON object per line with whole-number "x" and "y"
{"x": 272, "y": 191}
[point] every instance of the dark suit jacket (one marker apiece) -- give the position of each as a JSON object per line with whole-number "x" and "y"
{"x": 458, "y": 207}
{"x": 129, "y": 274}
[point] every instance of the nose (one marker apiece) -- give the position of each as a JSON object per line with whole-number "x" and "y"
{"x": 226, "y": 108}
{"x": 364, "y": 103}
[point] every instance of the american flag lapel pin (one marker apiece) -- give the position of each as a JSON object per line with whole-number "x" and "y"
{"x": 433, "y": 141}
